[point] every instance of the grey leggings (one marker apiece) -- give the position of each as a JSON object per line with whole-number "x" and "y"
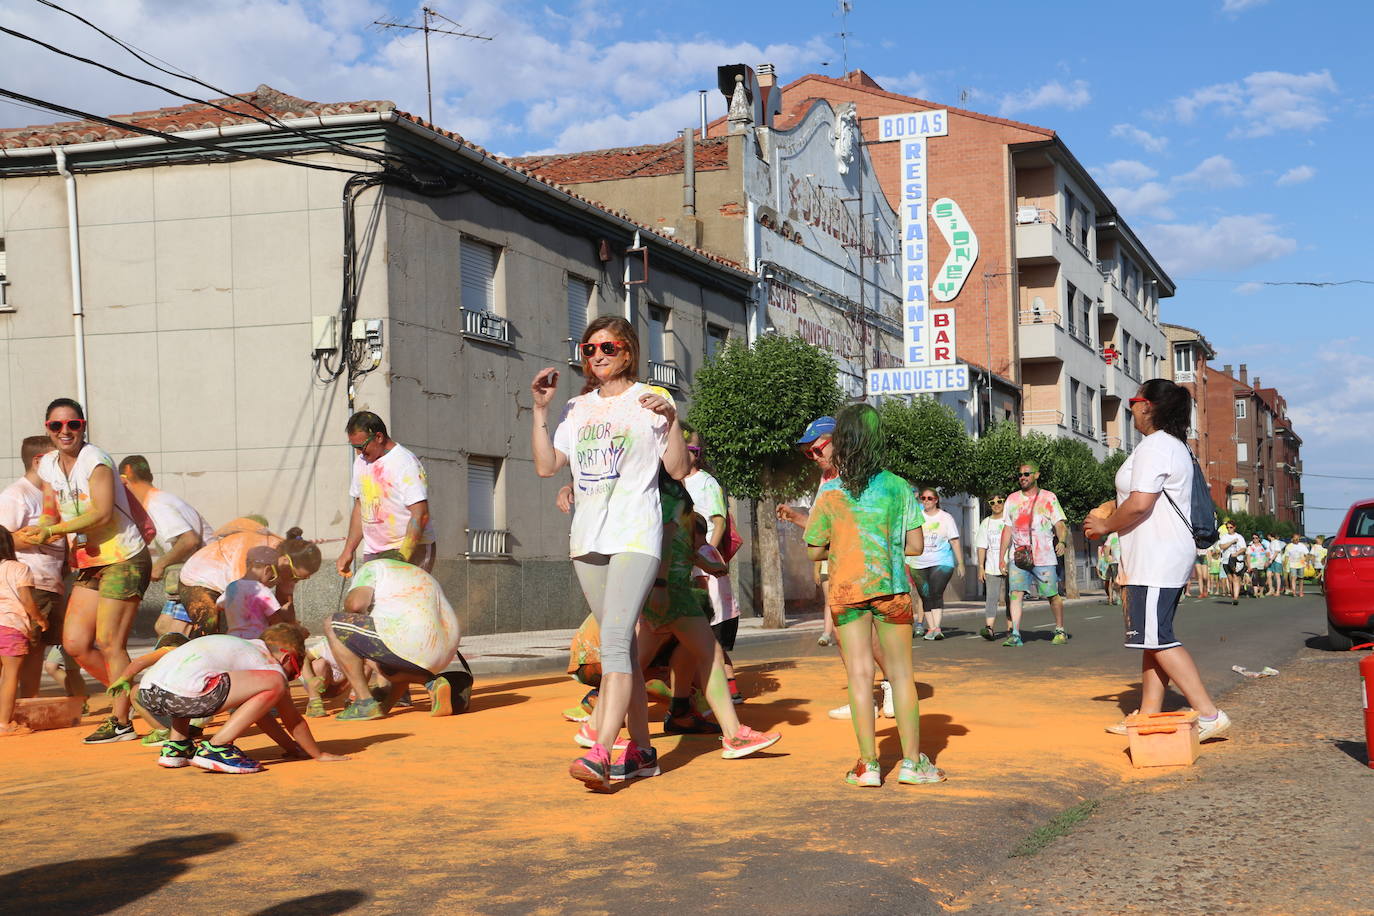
{"x": 997, "y": 595}
{"x": 616, "y": 587}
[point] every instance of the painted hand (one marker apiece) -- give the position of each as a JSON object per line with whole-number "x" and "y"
{"x": 119, "y": 688}
{"x": 543, "y": 387}
{"x": 659, "y": 405}
{"x": 33, "y": 535}
{"x": 344, "y": 564}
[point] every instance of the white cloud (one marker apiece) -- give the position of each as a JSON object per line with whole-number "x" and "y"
{"x": 1148, "y": 200}
{"x": 912, "y": 84}
{"x": 1240, "y": 6}
{"x": 545, "y": 74}
{"x": 1248, "y": 289}
{"x": 1264, "y": 103}
{"x": 1124, "y": 172}
{"x": 1053, "y": 94}
{"x": 1229, "y": 243}
{"x": 1296, "y": 175}
{"x": 1214, "y": 173}
{"x": 1152, "y": 143}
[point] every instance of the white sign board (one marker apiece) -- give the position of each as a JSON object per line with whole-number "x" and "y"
{"x": 918, "y": 380}
{"x": 930, "y": 362}
{"x": 963, "y": 248}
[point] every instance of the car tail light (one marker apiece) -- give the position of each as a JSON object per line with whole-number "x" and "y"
{"x": 1343, "y": 551}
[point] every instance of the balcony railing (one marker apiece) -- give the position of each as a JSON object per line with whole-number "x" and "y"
{"x": 1039, "y": 316}
{"x": 1042, "y": 418}
{"x": 486, "y": 325}
{"x": 1111, "y": 441}
{"x": 484, "y": 544}
{"x": 1030, "y": 214}
{"x": 1082, "y": 427}
{"x": 663, "y": 374}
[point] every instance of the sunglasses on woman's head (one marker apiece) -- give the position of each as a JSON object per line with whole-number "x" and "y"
{"x": 609, "y": 347}
{"x": 76, "y": 425}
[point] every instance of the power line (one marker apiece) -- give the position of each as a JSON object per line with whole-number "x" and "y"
{"x": 1308, "y": 283}
{"x": 170, "y": 138}
{"x": 370, "y": 155}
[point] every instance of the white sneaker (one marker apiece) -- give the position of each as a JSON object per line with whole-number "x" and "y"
{"x": 843, "y": 712}
{"x": 1214, "y": 729}
{"x": 888, "y": 711}
{"x": 1120, "y": 727}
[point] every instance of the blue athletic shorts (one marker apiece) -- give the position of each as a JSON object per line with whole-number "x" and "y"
{"x": 1039, "y": 580}
{"x": 1149, "y": 612}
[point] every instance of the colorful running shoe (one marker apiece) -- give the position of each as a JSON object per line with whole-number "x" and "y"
{"x": 746, "y": 742}
{"x": 586, "y": 737}
{"x": 176, "y": 754}
{"x": 636, "y": 763}
{"x": 315, "y": 709}
{"x": 655, "y": 687}
{"x": 360, "y": 710}
{"x": 934, "y": 634}
{"x": 865, "y": 773}
{"x": 918, "y": 630}
{"x": 582, "y": 711}
{"x": 1013, "y": 639}
{"x": 1060, "y": 637}
{"x": 594, "y": 769}
{"x": 111, "y": 731}
{"x": 919, "y": 772}
{"x": 449, "y": 693}
{"x": 156, "y": 738}
{"x": 226, "y": 759}
{"x": 987, "y": 634}
{"x": 690, "y": 724}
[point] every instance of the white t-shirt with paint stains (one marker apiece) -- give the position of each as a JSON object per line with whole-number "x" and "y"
{"x": 248, "y": 606}
{"x": 385, "y": 489}
{"x": 188, "y": 669}
{"x": 172, "y": 517}
{"x": 614, "y": 447}
{"x": 410, "y": 613}
{"x": 21, "y": 505}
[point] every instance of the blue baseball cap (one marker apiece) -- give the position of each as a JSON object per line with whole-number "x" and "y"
{"x": 821, "y": 426}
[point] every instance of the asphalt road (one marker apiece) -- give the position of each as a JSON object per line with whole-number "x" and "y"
{"x": 475, "y": 814}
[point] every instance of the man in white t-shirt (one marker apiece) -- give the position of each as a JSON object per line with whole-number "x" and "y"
{"x": 390, "y": 493}
{"x": 1232, "y": 547}
{"x": 181, "y": 531}
{"x": 21, "y": 505}
{"x": 1294, "y": 564}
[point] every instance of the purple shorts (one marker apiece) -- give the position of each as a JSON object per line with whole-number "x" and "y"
{"x": 13, "y": 643}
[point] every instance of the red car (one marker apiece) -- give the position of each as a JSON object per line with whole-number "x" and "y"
{"x": 1350, "y": 579}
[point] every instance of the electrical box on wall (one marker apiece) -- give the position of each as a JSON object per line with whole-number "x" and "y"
{"x": 324, "y": 331}
{"x": 367, "y": 336}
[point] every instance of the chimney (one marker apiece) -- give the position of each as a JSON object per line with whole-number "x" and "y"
{"x": 1226, "y": 369}
{"x": 1257, "y": 382}
{"x": 1243, "y": 375}
{"x": 767, "y": 79}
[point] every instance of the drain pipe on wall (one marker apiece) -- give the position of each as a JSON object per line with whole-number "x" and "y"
{"x": 629, "y": 287}
{"x": 78, "y": 304}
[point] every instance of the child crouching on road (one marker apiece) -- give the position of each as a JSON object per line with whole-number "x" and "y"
{"x": 249, "y": 676}
{"x": 866, "y": 522}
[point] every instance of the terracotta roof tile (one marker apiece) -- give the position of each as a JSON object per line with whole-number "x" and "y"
{"x": 195, "y": 116}
{"x": 629, "y": 161}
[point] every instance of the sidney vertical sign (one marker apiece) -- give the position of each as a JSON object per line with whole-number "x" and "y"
{"x": 928, "y": 334}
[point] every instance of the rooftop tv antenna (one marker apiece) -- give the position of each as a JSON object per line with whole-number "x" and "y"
{"x": 843, "y": 12}
{"x": 431, "y": 16}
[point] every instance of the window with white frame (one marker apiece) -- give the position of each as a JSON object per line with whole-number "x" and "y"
{"x": 1183, "y": 358}
{"x": 483, "y": 476}
{"x": 716, "y": 336}
{"x": 1243, "y": 452}
{"x": 579, "y": 306}
{"x": 1240, "y": 408}
{"x": 658, "y": 334}
{"x": 477, "y": 262}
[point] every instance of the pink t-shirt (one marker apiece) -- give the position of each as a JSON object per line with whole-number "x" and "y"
{"x": 248, "y": 605}
{"x": 14, "y": 576}
{"x": 21, "y": 505}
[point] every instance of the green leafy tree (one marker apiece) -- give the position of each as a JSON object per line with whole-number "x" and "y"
{"x": 1077, "y": 478}
{"x": 927, "y": 444}
{"x": 751, "y": 403}
{"x": 994, "y": 459}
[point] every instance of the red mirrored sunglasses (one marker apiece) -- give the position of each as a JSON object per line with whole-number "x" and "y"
{"x": 1134, "y": 401}
{"x": 609, "y": 347}
{"x": 76, "y": 425}
{"x": 817, "y": 450}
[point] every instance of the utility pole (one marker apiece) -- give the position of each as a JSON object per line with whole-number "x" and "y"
{"x": 430, "y": 15}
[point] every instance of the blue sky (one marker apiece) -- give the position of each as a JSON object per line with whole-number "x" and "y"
{"x": 1231, "y": 133}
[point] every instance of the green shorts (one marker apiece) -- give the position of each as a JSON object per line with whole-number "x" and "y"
{"x": 893, "y": 609}
{"x": 118, "y": 581}
{"x": 683, "y": 601}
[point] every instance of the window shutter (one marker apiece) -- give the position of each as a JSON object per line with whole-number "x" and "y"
{"x": 579, "y": 300}
{"x": 478, "y": 265}
{"x": 482, "y": 493}
{"x": 3, "y": 263}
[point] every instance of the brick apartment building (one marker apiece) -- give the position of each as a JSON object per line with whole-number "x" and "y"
{"x": 1254, "y": 455}
{"x": 1064, "y": 298}
{"x": 1189, "y": 353}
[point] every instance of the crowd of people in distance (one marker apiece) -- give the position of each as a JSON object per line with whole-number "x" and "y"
{"x": 651, "y": 539}
{"x": 1265, "y": 566}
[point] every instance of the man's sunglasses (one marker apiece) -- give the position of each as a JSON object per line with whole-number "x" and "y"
{"x": 1026, "y": 474}
{"x": 362, "y": 445}
{"x": 609, "y": 347}
{"x": 76, "y": 425}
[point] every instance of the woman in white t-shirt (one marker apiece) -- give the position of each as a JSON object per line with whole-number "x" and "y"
{"x": 1157, "y": 549}
{"x": 941, "y": 559}
{"x": 613, "y": 436}
{"x": 85, "y": 501}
